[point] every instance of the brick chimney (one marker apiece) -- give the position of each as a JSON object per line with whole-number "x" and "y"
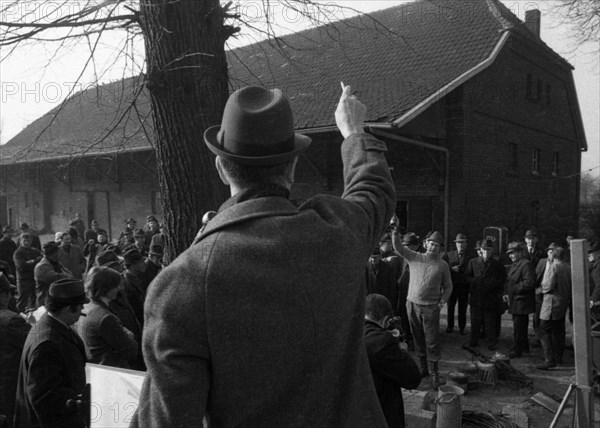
{"x": 533, "y": 19}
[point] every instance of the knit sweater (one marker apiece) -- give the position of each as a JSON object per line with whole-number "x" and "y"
{"x": 430, "y": 280}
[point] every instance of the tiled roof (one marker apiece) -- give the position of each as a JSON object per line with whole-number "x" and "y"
{"x": 394, "y": 59}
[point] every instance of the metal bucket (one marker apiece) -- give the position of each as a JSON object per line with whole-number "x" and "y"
{"x": 449, "y": 407}
{"x": 458, "y": 379}
{"x": 487, "y": 373}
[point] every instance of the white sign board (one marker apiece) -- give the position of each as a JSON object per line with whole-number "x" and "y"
{"x": 115, "y": 394}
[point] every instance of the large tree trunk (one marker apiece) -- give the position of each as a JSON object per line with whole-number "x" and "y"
{"x": 187, "y": 82}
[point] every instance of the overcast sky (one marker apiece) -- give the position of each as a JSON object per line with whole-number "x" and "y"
{"x": 33, "y": 80}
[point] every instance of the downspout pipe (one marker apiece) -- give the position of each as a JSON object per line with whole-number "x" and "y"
{"x": 383, "y": 130}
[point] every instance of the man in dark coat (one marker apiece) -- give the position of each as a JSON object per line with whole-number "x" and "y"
{"x": 8, "y": 248}
{"x": 485, "y": 277}
{"x": 52, "y": 371}
{"x": 92, "y": 233}
{"x": 71, "y": 256}
{"x": 520, "y": 295}
{"x": 133, "y": 284}
{"x": 26, "y": 257}
{"x": 78, "y": 224}
{"x": 383, "y": 275}
{"x": 47, "y": 271}
{"x": 391, "y": 366}
{"x": 457, "y": 262}
{"x": 534, "y": 253}
{"x": 13, "y": 332}
{"x": 275, "y": 266}
{"x": 152, "y": 229}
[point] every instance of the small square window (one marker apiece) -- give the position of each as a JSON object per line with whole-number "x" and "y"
{"x": 535, "y": 161}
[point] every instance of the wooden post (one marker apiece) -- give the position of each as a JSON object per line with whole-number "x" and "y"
{"x": 582, "y": 333}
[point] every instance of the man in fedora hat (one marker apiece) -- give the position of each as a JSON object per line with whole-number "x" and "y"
{"x": 520, "y": 296}
{"x": 533, "y": 252}
{"x": 429, "y": 289}
{"x": 13, "y": 332}
{"x": 52, "y": 372}
{"x": 556, "y": 299}
{"x": 49, "y": 270}
{"x": 293, "y": 274}
{"x": 457, "y": 261}
{"x": 485, "y": 277}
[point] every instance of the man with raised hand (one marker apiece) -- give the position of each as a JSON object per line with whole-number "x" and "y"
{"x": 260, "y": 322}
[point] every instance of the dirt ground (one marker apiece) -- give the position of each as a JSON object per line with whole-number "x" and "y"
{"x": 553, "y": 382}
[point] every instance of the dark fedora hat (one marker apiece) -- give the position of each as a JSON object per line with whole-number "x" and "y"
{"x": 514, "y": 246}
{"x": 151, "y": 218}
{"x": 487, "y": 244}
{"x": 105, "y": 257}
{"x": 461, "y": 237}
{"x": 257, "y": 129}
{"x": 410, "y": 239}
{"x": 139, "y": 233}
{"x": 531, "y": 233}
{"x": 24, "y": 226}
{"x": 69, "y": 291}
{"x": 554, "y": 246}
{"x": 132, "y": 256}
{"x": 594, "y": 246}
{"x": 130, "y": 220}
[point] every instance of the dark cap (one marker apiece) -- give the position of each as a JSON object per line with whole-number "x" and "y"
{"x": 156, "y": 250}
{"x": 410, "y": 239}
{"x": 554, "y": 246}
{"x": 461, "y": 237}
{"x": 132, "y": 256}
{"x": 139, "y": 233}
{"x": 151, "y": 218}
{"x": 478, "y": 245}
{"x": 5, "y": 285}
{"x": 531, "y": 233}
{"x": 130, "y": 220}
{"x": 50, "y": 248}
{"x": 68, "y": 291}
{"x": 514, "y": 246}
{"x": 102, "y": 232}
{"x": 24, "y": 226}
{"x": 105, "y": 257}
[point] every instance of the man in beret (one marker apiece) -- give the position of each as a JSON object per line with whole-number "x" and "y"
{"x": 13, "y": 332}
{"x": 429, "y": 289}
{"x": 556, "y": 299}
{"x": 485, "y": 277}
{"x": 47, "y": 271}
{"x": 520, "y": 296}
{"x": 26, "y": 257}
{"x": 277, "y": 267}
{"x": 35, "y": 240}
{"x": 52, "y": 372}
{"x": 7, "y": 249}
{"x": 457, "y": 261}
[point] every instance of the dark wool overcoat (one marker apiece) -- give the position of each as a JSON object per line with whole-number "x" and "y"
{"x": 384, "y": 279}
{"x": 52, "y": 371}
{"x": 392, "y": 369}
{"x": 486, "y": 283}
{"x": 106, "y": 340}
{"x": 13, "y": 332}
{"x": 520, "y": 287}
{"x": 459, "y": 281}
{"x": 260, "y": 322}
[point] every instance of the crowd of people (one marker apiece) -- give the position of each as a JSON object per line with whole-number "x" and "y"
{"x": 85, "y": 301}
{"x": 263, "y": 335}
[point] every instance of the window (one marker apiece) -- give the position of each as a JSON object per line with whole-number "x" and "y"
{"x": 514, "y": 158}
{"x": 535, "y": 161}
{"x": 555, "y": 161}
{"x": 548, "y": 94}
{"x": 529, "y": 91}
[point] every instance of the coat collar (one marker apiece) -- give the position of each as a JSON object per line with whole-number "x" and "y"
{"x": 63, "y": 330}
{"x": 249, "y": 205}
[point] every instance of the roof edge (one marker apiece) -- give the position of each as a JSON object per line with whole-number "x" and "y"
{"x": 421, "y": 107}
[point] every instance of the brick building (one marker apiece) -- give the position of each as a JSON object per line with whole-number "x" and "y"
{"x": 481, "y": 119}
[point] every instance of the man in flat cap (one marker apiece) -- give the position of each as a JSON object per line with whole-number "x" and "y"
{"x": 35, "y": 240}
{"x": 277, "y": 267}
{"x": 457, "y": 261}
{"x": 26, "y": 257}
{"x": 485, "y": 277}
{"x": 429, "y": 289}
{"x": 13, "y": 332}
{"x": 52, "y": 372}
{"x": 520, "y": 296}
